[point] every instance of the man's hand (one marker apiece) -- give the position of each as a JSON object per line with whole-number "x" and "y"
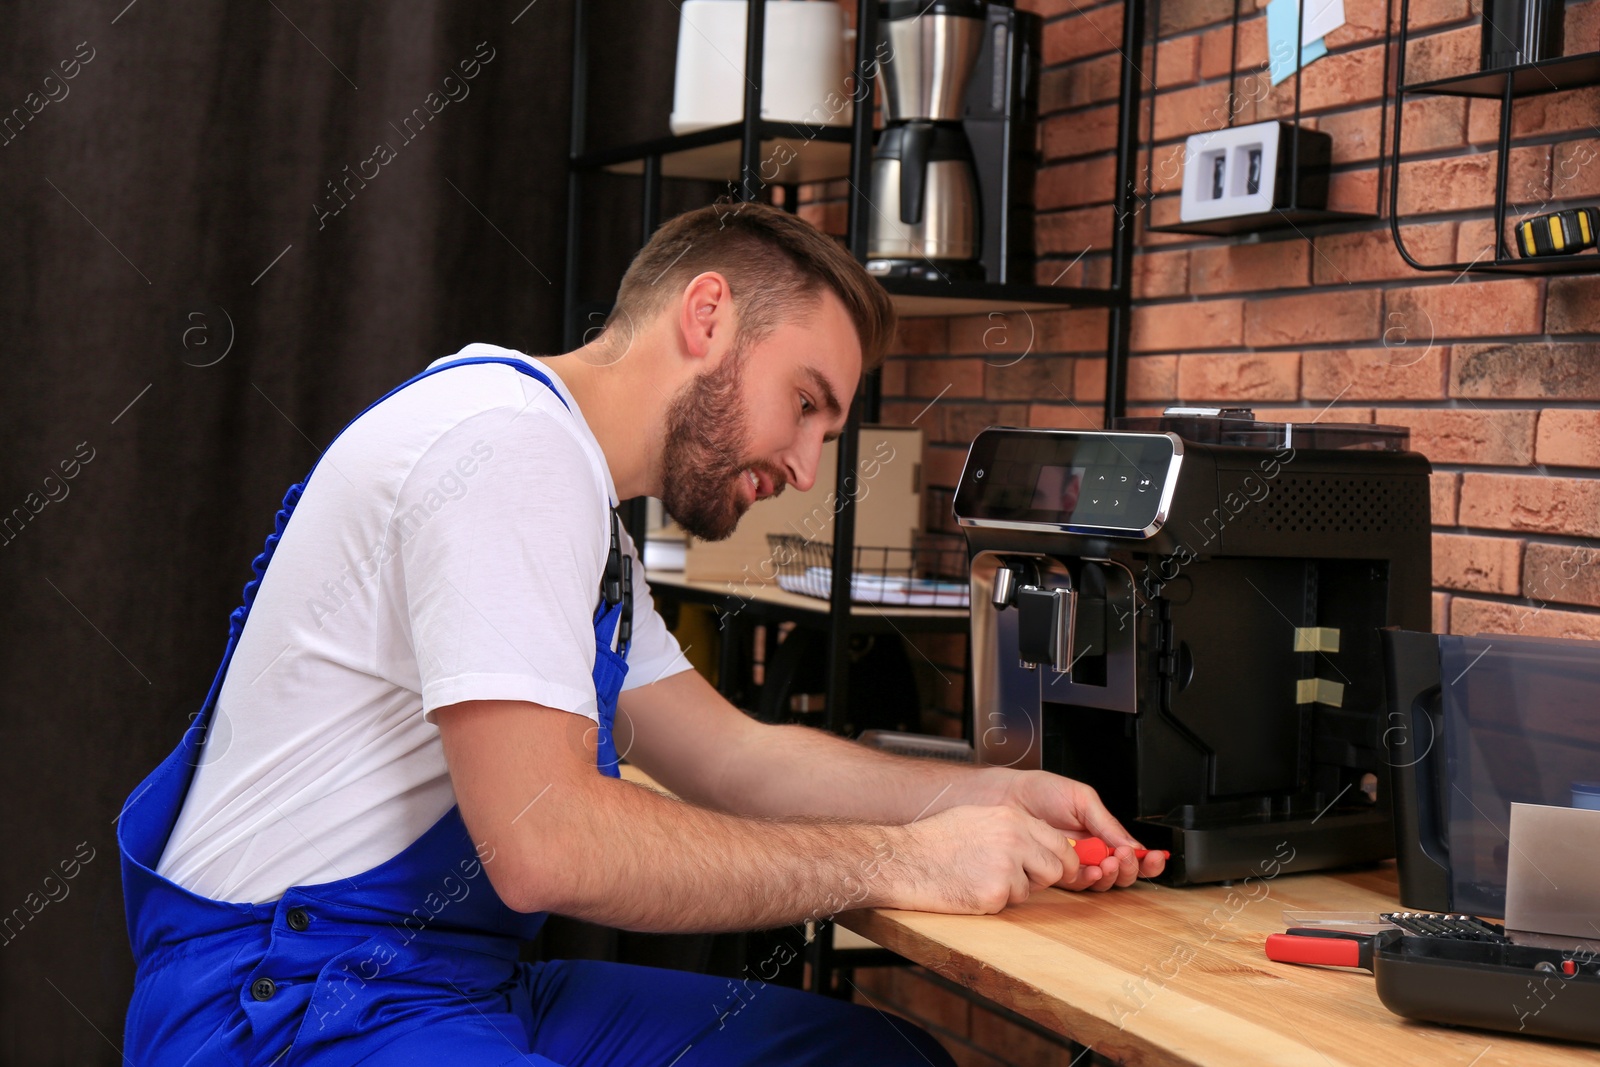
{"x": 1076, "y": 809}
{"x": 979, "y": 859}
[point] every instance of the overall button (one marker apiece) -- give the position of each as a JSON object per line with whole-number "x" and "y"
{"x": 263, "y": 988}
{"x": 298, "y": 919}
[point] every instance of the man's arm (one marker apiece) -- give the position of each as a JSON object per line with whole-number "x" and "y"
{"x": 688, "y": 737}
{"x": 555, "y": 835}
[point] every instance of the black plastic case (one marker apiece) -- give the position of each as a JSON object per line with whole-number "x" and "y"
{"x": 1489, "y": 986}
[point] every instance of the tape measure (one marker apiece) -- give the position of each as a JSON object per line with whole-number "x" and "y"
{"x": 1559, "y": 233}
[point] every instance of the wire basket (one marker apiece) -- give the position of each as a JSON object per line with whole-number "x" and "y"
{"x": 930, "y": 574}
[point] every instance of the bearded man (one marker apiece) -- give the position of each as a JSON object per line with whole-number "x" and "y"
{"x": 407, "y": 759}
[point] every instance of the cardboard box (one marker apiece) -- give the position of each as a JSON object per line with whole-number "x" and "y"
{"x": 888, "y": 510}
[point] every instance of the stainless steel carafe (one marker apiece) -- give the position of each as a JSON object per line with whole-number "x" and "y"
{"x": 924, "y": 199}
{"x": 933, "y": 45}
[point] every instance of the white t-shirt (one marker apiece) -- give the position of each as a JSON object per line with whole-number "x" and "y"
{"x": 449, "y": 547}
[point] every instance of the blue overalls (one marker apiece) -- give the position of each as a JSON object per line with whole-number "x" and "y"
{"x": 415, "y": 960}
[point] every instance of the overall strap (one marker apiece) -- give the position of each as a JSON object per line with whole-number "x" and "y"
{"x": 616, "y": 586}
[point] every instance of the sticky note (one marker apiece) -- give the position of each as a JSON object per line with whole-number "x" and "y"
{"x": 1322, "y": 18}
{"x": 1283, "y": 30}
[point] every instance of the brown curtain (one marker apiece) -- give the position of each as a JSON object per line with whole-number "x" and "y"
{"x": 227, "y": 227}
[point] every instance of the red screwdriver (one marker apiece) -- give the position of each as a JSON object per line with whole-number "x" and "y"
{"x": 1091, "y": 850}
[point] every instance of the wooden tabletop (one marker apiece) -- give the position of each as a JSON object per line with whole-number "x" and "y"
{"x": 1155, "y": 976}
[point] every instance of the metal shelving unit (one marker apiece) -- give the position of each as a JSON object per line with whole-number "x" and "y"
{"x": 1506, "y": 84}
{"x": 1291, "y": 216}
{"x": 753, "y": 156}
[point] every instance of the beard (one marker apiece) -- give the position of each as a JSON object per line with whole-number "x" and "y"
{"x": 703, "y": 457}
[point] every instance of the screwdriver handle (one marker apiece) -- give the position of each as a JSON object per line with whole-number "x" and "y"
{"x": 1091, "y": 850}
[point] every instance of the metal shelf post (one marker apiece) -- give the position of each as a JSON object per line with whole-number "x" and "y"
{"x": 1122, "y": 248}
{"x": 845, "y": 487}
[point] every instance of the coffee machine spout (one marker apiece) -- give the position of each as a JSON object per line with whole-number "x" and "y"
{"x": 1005, "y": 587}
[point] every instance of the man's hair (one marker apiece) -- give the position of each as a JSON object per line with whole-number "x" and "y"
{"x": 776, "y": 265}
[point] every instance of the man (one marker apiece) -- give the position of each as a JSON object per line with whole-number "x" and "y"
{"x": 397, "y": 778}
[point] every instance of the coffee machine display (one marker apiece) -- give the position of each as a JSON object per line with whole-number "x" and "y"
{"x": 1184, "y": 613}
{"x": 953, "y": 174}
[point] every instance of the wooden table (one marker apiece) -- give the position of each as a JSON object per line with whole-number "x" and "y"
{"x": 1151, "y": 975}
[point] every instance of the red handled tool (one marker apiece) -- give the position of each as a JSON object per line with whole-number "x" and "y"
{"x": 1326, "y": 948}
{"x": 1091, "y": 850}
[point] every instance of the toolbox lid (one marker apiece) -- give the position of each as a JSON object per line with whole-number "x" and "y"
{"x": 1520, "y": 725}
{"x": 1238, "y": 427}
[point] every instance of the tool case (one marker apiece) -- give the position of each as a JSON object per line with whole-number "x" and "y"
{"x": 1462, "y": 971}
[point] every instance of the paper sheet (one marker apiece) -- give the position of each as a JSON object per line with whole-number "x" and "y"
{"x": 1322, "y": 18}
{"x": 1283, "y": 16}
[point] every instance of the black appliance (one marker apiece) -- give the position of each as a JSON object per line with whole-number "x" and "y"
{"x": 1184, "y": 613}
{"x": 1520, "y": 31}
{"x": 953, "y": 174}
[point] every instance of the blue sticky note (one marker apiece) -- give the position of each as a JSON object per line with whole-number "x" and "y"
{"x": 1315, "y": 50}
{"x": 1283, "y": 31}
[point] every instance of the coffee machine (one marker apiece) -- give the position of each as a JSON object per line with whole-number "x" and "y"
{"x": 953, "y": 173}
{"x": 1184, "y": 613}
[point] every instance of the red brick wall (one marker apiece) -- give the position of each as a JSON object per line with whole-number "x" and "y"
{"x": 1498, "y": 379}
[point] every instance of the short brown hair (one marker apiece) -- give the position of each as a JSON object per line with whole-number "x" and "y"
{"x": 774, "y": 262}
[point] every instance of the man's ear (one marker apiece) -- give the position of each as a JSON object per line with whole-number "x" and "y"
{"x": 705, "y": 315}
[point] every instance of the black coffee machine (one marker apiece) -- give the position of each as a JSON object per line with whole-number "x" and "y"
{"x": 1184, "y": 613}
{"x": 953, "y": 173}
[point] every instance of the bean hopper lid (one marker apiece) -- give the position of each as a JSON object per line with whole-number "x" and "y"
{"x": 1238, "y": 427}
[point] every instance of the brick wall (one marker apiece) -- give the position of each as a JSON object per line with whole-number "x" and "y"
{"x": 1497, "y": 378}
